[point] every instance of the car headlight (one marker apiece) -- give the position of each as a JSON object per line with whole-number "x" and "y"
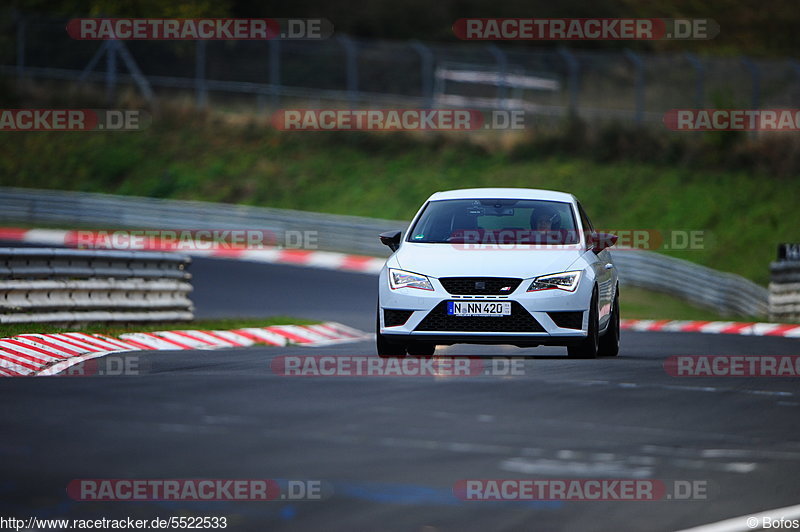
{"x": 404, "y": 279}
{"x": 562, "y": 281}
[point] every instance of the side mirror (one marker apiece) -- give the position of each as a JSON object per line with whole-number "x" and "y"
{"x": 391, "y": 239}
{"x": 601, "y": 241}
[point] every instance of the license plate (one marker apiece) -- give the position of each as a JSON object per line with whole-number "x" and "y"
{"x": 479, "y": 308}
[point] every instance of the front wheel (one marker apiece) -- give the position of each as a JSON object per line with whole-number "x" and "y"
{"x": 386, "y": 347}
{"x": 587, "y": 348}
{"x": 609, "y": 342}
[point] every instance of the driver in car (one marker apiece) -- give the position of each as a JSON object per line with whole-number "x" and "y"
{"x": 545, "y": 218}
{"x": 546, "y": 225}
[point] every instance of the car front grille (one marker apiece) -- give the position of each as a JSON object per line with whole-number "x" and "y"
{"x": 567, "y": 320}
{"x": 395, "y": 317}
{"x": 484, "y": 286}
{"x": 520, "y": 320}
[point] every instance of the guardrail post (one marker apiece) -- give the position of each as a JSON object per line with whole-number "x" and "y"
{"x": 425, "y": 72}
{"x": 638, "y": 64}
{"x": 501, "y": 59}
{"x": 351, "y": 60}
{"x": 111, "y": 73}
{"x": 201, "y": 90}
{"x": 755, "y": 74}
{"x": 573, "y": 69}
{"x": 699, "y": 82}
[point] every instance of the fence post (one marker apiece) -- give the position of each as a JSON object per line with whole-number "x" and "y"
{"x": 501, "y": 59}
{"x": 111, "y": 73}
{"x": 699, "y": 92}
{"x": 755, "y": 73}
{"x": 93, "y": 61}
{"x": 275, "y": 70}
{"x": 138, "y": 77}
{"x": 638, "y": 64}
{"x": 573, "y": 68}
{"x": 351, "y": 53}
{"x": 21, "y": 30}
{"x": 426, "y": 71}
{"x": 795, "y": 64}
{"x": 201, "y": 90}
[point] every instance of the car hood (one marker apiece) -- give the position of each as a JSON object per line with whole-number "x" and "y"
{"x": 445, "y": 260}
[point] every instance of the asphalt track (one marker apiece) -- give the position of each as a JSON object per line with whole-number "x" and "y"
{"x": 391, "y": 448}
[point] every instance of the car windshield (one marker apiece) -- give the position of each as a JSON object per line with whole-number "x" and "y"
{"x": 496, "y": 221}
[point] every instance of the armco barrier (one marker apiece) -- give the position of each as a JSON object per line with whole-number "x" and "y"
{"x": 784, "y": 291}
{"x": 65, "y": 285}
{"x": 350, "y": 234}
{"x": 724, "y": 292}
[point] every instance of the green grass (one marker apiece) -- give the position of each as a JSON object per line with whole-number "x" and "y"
{"x": 113, "y": 329}
{"x": 744, "y": 214}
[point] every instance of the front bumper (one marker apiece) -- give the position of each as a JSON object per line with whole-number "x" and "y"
{"x": 540, "y": 329}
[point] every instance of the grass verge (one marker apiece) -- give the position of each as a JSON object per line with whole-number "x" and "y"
{"x": 114, "y": 329}
{"x": 743, "y": 214}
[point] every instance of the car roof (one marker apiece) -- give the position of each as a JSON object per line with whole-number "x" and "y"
{"x": 503, "y": 193}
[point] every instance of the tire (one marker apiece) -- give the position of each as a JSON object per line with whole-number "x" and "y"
{"x": 418, "y": 349}
{"x": 587, "y": 348}
{"x": 609, "y": 342}
{"x": 385, "y": 347}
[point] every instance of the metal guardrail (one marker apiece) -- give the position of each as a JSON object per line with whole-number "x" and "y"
{"x": 350, "y": 234}
{"x": 784, "y": 291}
{"x": 66, "y": 285}
{"x": 724, "y": 292}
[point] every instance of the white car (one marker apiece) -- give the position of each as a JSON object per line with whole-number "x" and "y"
{"x": 499, "y": 266}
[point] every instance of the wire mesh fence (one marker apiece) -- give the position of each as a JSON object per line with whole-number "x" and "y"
{"x": 620, "y": 85}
